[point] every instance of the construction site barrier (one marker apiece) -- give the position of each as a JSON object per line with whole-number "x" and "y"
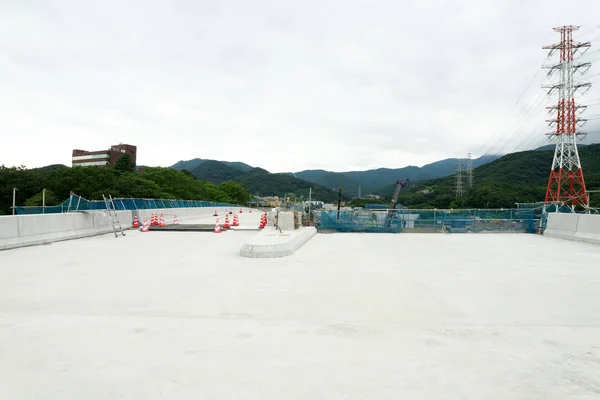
{"x": 78, "y": 203}
{"x": 429, "y": 220}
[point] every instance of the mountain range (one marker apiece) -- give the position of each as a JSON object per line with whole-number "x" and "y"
{"x": 191, "y": 164}
{"x": 324, "y": 183}
{"x": 517, "y": 177}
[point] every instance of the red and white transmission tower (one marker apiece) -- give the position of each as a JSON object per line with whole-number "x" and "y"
{"x": 566, "y": 184}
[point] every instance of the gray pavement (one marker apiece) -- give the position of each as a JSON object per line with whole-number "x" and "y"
{"x": 408, "y": 316}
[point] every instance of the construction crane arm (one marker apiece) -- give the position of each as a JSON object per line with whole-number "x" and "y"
{"x": 399, "y": 185}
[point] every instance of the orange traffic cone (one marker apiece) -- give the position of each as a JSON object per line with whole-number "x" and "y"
{"x": 241, "y": 211}
{"x": 175, "y": 221}
{"x": 230, "y": 212}
{"x": 263, "y": 220}
{"x": 154, "y": 220}
{"x": 215, "y": 214}
{"x": 217, "y": 227}
{"x": 226, "y": 224}
{"x": 136, "y": 223}
{"x": 162, "y": 220}
{"x": 235, "y": 221}
{"x": 145, "y": 227}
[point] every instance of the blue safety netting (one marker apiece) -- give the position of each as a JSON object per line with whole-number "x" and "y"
{"x": 77, "y": 203}
{"x": 355, "y": 221}
{"x": 413, "y": 220}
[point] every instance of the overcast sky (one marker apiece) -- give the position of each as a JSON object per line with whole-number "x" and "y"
{"x": 287, "y": 86}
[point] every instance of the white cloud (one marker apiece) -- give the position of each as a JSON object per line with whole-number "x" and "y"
{"x": 337, "y": 85}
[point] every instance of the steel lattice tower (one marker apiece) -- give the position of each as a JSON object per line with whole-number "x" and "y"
{"x": 469, "y": 171}
{"x": 459, "y": 179}
{"x": 566, "y": 183}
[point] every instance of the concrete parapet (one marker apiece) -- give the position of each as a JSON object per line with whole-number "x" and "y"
{"x": 270, "y": 243}
{"x": 28, "y": 230}
{"x": 561, "y": 225}
{"x": 9, "y": 227}
{"x": 580, "y": 227}
{"x": 588, "y": 228}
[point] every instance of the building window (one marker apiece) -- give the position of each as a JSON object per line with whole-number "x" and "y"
{"x": 90, "y": 157}
{"x": 89, "y": 163}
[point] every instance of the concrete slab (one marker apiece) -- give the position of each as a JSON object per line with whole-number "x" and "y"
{"x": 353, "y": 316}
{"x": 273, "y": 243}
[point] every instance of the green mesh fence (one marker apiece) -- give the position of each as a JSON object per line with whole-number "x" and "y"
{"x": 77, "y": 203}
{"x": 450, "y": 221}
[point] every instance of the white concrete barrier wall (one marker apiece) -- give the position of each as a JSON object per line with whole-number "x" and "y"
{"x": 9, "y": 227}
{"x": 588, "y": 228}
{"x": 580, "y": 227}
{"x": 561, "y": 225}
{"x": 31, "y": 225}
{"x": 26, "y": 230}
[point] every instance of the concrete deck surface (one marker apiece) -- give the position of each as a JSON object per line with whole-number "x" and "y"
{"x": 353, "y": 316}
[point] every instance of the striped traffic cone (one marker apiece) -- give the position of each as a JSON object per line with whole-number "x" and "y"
{"x": 217, "y": 227}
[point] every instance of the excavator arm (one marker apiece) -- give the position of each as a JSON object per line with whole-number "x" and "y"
{"x": 399, "y": 186}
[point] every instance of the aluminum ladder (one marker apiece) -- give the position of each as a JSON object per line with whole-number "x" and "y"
{"x": 112, "y": 213}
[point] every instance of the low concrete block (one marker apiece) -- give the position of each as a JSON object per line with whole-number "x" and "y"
{"x": 563, "y": 226}
{"x": 285, "y": 220}
{"x": 271, "y": 243}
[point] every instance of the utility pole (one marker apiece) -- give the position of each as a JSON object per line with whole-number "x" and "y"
{"x": 566, "y": 184}
{"x": 14, "y": 200}
{"x": 339, "y": 202}
{"x": 359, "y": 192}
{"x": 459, "y": 179}
{"x": 309, "y": 204}
{"x": 469, "y": 172}
{"x": 43, "y": 201}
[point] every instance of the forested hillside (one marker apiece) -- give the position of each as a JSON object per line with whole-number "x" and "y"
{"x": 517, "y": 177}
{"x": 92, "y": 182}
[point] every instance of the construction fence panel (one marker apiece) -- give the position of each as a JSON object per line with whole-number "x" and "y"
{"x": 432, "y": 220}
{"x": 77, "y": 203}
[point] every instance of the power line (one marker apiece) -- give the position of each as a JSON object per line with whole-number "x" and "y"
{"x": 510, "y": 113}
{"x": 524, "y": 120}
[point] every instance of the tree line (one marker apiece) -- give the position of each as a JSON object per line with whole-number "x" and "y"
{"x": 119, "y": 181}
